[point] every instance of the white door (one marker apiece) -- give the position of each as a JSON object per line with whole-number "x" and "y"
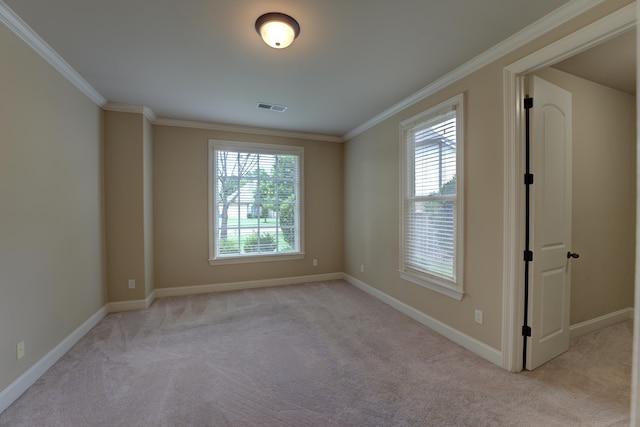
{"x": 550, "y": 283}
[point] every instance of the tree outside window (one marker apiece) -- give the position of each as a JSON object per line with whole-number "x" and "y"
{"x": 256, "y": 201}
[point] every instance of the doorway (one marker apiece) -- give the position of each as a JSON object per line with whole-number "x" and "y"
{"x": 601, "y": 196}
{"x": 514, "y": 90}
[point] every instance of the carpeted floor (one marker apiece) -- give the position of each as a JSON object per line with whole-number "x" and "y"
{"x": 322, "y": 354}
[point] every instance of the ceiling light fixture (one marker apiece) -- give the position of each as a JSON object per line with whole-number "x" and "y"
{"x": 277, "y": 29}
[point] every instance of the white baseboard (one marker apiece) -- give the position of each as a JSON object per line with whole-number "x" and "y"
{"x": 115, "y": 307}
{"x": 26, "y": 380}
{"x": 22, "y": 383}
{"x": 592, "y": 325}
{"x": 239, "y": 286}
{"x": 139, "y": 304}
{"x": 491, "y": 354}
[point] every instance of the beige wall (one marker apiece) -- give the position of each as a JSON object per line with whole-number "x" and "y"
{"x": 372, "y": 197}
{"x": 124, "y": 204}
{"x": 51, "y": 251}
{"x": 604, "y": 171}
{"x": 371, "y": 212}
{"x": 147, "y": 159}
{"x": 180, "y": 185}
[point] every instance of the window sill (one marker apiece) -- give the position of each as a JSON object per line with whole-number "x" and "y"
{"x": 257, "y": 258}
{"x": 433, "y": 284}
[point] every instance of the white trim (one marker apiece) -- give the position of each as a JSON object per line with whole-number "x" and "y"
{"x": 140, "y": 304}
{"x": 127, "y": 108}
{"x": 513, "y": 211}
{"x": 433, "y": 283}
{"x": 473, "y": 345}
{"x": 20, "y": 28}
{"x": 592, "y": 325}
{"x": 241, "y": 286}
{"x": 245, "y": 129}
{"x": 635, "y": 370}
{"x": 257, "y": 258}
{"x": 605, "y": 28}
{"x": 553, "y": 20}
{"x": 30, "y": 376}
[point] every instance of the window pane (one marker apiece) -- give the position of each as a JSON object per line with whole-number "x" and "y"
{"x": 430, "y": 232}
{"x": 434, "y": 155}
{"x": 256, "y": 202}
{"x": 287, "y": 221}
{"x": 431, "y": 237}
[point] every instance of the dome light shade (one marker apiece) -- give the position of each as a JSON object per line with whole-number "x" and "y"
{"x": 277, "y": 29}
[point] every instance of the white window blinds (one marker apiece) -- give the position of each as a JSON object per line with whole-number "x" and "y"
{"x": 430, "y": 222}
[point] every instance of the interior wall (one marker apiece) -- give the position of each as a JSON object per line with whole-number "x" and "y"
{"x": 124, "y": 160}
{"x": 372, "y": 210}
{"x": 51, "y": 221}
{"x": 148, "y": 205}
{"x": 604, "y": 189}
{"x": 372, "y": 198}
{"x": 181, "y": 227}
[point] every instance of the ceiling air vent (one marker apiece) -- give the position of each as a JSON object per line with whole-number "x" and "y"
{"x": 272, "y": 107}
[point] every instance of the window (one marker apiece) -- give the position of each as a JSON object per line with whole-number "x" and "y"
{"x": 431, "y": 209}
{"x": 255, "y": 208}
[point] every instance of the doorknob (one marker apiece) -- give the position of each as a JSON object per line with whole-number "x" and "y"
{"x": 572, "y": 255}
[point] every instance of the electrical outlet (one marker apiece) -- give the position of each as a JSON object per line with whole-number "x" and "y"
{"x": 20, "y": 350}
{"x": 315, "y": 262}
{"x": 361, "y": 268}
{"x": 132, "y": 283}
{"x": 479, "y": 317}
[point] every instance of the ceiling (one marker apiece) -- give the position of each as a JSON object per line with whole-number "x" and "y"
{"x": 612, "y": 63}
{"x": 203, "y": 60}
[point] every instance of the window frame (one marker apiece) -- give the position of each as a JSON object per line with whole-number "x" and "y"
{"x": 257, "y": 148}
{"x": 451, "y": 288}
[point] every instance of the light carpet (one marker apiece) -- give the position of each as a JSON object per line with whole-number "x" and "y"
{"x": 320, "y": 354}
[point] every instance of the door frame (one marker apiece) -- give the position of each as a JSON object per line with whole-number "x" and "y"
{"x": 602, "y": 30}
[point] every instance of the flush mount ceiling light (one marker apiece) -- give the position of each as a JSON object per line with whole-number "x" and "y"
{"x": 277, "y": 29}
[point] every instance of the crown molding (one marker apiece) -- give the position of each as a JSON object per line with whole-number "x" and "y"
{"x": 20, "y": 28}
{"x": 556, "y": 18}
{"x": 127, "y": 108}
{"x": 545, "y": 24}
{"x": 246, "y": 129}
{"x": 192, "y": 124}
{"x": 606, "y": 28}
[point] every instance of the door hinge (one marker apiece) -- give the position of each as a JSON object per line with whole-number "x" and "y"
{"x": 526, "y": 331}
{"x": 528, "y": 255}
{"x": 528, "y": 103}
{"x": 528, "y": 179}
